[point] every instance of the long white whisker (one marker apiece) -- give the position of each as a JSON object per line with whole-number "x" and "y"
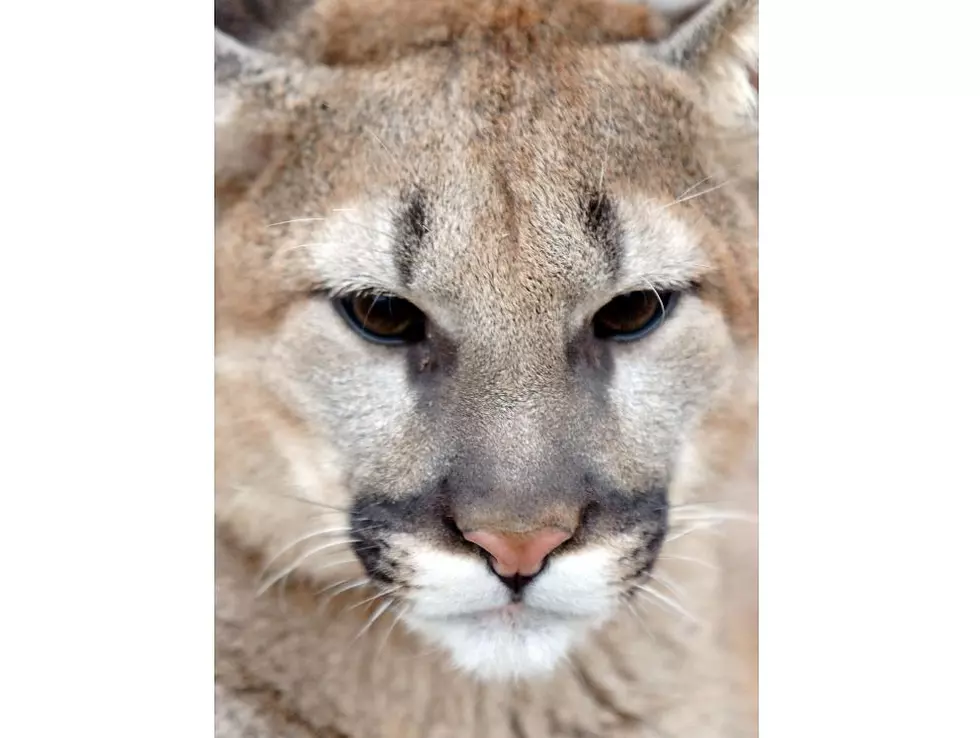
{"x": 690, "y": 559}
{"x": 687, "y": 197}
{"x": 378, "y": 613}
{"x": 309, "y": 220}
{"x": 350, "y": 584}
{"x": 631, "y": 607}
{"x": 285, "y": 571}
{"x": 696, "y": 512}
{"x": 715, "y": 517}
{"x": 301, "y": 539}
{"x": 298, "y": 247}
{"x": 699, "y": 506}
{"x": 708, "y": 526}
{"x": 283, "y": 495}
{"x": 335, "y": 564}
{"x": 703, "y": 192}
{"x": 657, "y": 293}
{"x": 661, "y": 598}
{"x": 394, "y": 623}
{"x": 374, "y": 302}
{"x": 294, "y": 220}
{"x": 378, "y": 596}
{"x": 668, "y": 584}
{"x": 692, "y": 187}
{"x": 281, "y": 599}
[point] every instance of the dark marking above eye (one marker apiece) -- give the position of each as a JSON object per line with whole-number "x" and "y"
{"x": 411, "y": 230}
{"x": 602, "y": 227}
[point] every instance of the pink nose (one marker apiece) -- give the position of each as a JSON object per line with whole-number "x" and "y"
{"x": 518, "y": 554}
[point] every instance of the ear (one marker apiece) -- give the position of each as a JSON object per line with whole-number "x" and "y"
{"x": 675, "y": 9}
{"x": 251, "y": 20}
{"x": 256, "y": 100}
{"x": 719, "y": 45}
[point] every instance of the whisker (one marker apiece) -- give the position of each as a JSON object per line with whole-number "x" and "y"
{"x": 695, "y": 195}
{"x": 378, "y": 596}
{"x": 335, "y": 564}
{"x": 662, "y": 599}
{"x": 698, "y": 512}
{"x": 395, "y": 620}
{"x": 301, "y": 539}
{"x": 708, "y": 526}
{"x": 657, "y": 293}
{"x": 294, "y": 220}
{"x": 281, "y": 598}
{"x": 702, "y": 505}
{"x": 693, "y": 187}
{"x": 668, "y": 584}
{"x": 285, "y": 571}
{"x": 719, "y": 517}
{"x": 310, "y": 220}
{"x": 280, "y": 253}
{"x": 315, "y": 503}
{"x": 690, "y": 559}
{"x": 285, "y": 578}
{"x": 374, "y": 302}
{"x": 703, "y": 192}
{"x": 350, "y": 584}
{"x": 638, "y": 616}
{"x": 382, "y": 608}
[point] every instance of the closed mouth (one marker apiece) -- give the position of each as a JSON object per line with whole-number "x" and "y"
{"x": 516, "y": 613}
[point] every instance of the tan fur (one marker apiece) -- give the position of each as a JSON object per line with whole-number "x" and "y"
{"x": 501, "y": 108}
{"x": 352, "y": 32}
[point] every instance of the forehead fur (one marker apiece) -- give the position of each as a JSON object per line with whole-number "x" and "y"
{"x": 505, "y": 129}
{"x": 357, "y": 32}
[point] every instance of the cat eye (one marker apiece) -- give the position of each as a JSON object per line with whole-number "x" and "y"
{"x": 633, "y": 315}
{"x": 383, "y": 318}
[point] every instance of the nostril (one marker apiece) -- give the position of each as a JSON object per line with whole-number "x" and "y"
{"x": 450, "y": 525}
{"x": 518, "y": 554}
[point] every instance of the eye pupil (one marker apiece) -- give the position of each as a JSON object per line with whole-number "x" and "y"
{"x": 632, "y": 315}
{"x": 384, "y": 318}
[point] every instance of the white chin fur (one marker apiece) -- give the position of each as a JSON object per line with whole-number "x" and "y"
{"x": 458, "y": 604}
{"x": 489, "y": 647}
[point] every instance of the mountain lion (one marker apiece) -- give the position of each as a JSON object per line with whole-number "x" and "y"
{"x": 485, "y": 371}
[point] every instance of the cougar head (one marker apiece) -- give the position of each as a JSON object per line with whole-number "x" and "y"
{"x": 479, "y": 286}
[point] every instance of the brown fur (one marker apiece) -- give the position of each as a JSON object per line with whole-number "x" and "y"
{"x": 351, "y": 32}
{"x": 503, "y": 110}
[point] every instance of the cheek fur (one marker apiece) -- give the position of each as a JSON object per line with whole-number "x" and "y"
{"x": 664, "y": 384}
{"x": 356, "y": 392}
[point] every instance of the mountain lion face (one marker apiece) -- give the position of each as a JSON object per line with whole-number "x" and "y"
{"x": 474, "y": 305}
